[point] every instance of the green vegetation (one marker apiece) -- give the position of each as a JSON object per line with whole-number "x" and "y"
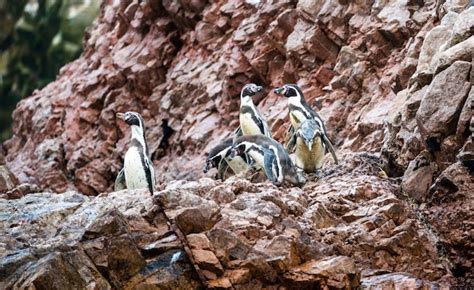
{"x": 37, "y": 37}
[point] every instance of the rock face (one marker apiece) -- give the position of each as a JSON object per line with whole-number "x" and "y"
{"x": 346, "y": 230}
{"x": 182, "y": 66}
{"x": 392, "y": 79}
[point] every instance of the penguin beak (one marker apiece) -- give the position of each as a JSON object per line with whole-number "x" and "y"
{"x": 120, "y": 116}
{"x": 207, "y": 166}
{"x": 259, "y": 88}
{"x": 279, "y": 91}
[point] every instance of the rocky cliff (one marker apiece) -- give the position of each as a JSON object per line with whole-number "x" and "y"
{"x": 393, "y": 80}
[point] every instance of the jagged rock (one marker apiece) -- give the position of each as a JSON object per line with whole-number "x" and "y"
{"x": 183, "y": 69}
{"x": 332, "y": 272}
{"x": 182, "y": 64}
{"x": 435, "y": 39}
{"x": 435, "y": 121}
{"x": 464, "y": 26}
{"x": 419, "y": 176}
{"x": 463, "y": 126}
{"x": 7, "y": 180}
{"x": 460, "y": 51}
{"x": 455, "y": 5}
{"x": 85, "y": 242}
{"x": 394, "y": 281}
{"x": 449, "y": 210}
{"x": 71, "y": 269}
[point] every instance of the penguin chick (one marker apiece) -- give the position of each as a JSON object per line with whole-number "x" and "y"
{"x": 137, "y": 169}
{"x": 251, "y": 121}
{"x": 300, "y": 111}
{"x": 219, "y": 157}
{"x": 311, "y": 146}
{"x": 269, "y": 155}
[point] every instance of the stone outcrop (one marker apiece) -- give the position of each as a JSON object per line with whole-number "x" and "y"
{"x": 346, "y": 230}
{"x": 393, "y": 80}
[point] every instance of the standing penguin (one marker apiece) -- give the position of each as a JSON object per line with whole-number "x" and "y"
{"x": 251, "y": 121}
{"x": 269, "y": 155}
{"x": 138, "y": 171}
{"x": 219, "y": 157}
{"x": 311, "y": 145}
{"x": 300, "y": 111}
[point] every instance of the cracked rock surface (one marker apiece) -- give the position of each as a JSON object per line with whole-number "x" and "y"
{"x": 393, "y": 80}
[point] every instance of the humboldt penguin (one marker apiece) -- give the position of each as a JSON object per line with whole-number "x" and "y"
{"x": 311, "y": 146}
{"x": 138, "y": 171}
{"x": 269, "y": 155}
{"x": 251, "y": 121}
{"x": 300, "y": 111}
{"x": 219, "y": 157}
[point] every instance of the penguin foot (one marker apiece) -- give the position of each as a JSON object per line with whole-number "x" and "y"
{"x": 318, "y": 174}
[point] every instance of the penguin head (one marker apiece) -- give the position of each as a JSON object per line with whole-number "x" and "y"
{"x": 131, "y": 118}
{"x": 211, "y": 163}
{"x": 217, "y": 154}
{"x": 289, "y": 91}
{"x": 136, "y": 122}
{"x": 238, "y": 149}
{"x": 250, "y": 90}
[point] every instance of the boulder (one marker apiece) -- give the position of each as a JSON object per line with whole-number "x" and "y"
{"x": 435, "y": 121}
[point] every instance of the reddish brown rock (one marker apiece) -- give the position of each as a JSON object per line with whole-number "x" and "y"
{"x": 332, "y": 272}
{"x": 419, "y": 176}
{"x": 376, "y": 72}
{"x": 7, "y": 180}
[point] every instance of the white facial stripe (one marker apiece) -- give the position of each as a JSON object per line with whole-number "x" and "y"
{"x": 247, "y": 144}
{"x": 280, "y": 169}
{"x": 138, "y": 133}
{"x": 246, "y": 100}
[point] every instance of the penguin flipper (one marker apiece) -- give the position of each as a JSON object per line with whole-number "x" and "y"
{"x": 268, "y": 159}
{"x": 290, "y": 139}
{"x": 238, "y": 133}
{"x": 150, "y": 175}
{"x": 120, "y": 183}
{"x": 330, "y": 148}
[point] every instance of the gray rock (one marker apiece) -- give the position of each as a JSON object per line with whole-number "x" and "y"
{"x": 464, "y": 26}
{"x": 461, "y": 51}
{"x": 435, "y": 39}
{"x": 442, "y": 103}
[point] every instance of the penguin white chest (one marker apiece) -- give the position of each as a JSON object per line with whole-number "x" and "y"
{"x": 247, "y": 124}
{"x": 296, "y": 118}
{"x": 135, "y": 176}
{"x": 258, "y": 158}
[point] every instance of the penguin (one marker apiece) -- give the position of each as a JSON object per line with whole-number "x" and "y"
{"x": 251, "y": 121}
{"x": 269, "y": 155}
{"x": 300, "y": 111}
{"x": 219, "y": 157}
{"x": 311, "y": 146}
{"x": 138, "y": 171}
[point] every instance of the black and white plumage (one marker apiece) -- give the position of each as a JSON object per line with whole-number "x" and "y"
{"x": 269, "y": 155}
{"x": 311, "y": 144}
{"x": 299, "y": 112}
{"x": 138, "y": 171}
{"x": 219, "y": 157}
{"x": 251, "y": 121}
